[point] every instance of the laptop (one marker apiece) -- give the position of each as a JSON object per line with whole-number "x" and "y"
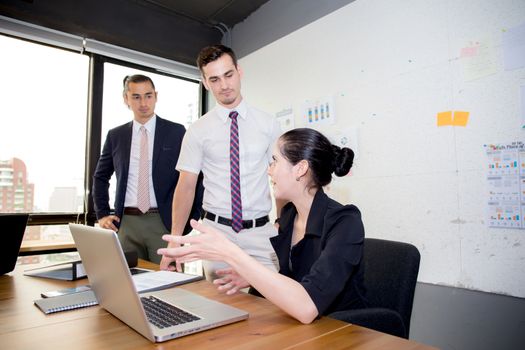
{"x": 110, "y": 279}
{"x": 13, "y": 227}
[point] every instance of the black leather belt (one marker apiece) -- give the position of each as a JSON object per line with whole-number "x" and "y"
{"x": 246, "y": 224}
{"x": 136, "y": 211}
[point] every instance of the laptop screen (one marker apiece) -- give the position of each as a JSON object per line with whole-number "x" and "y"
{"x": 12, "y": 228}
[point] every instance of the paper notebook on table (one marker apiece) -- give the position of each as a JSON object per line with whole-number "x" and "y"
{"x": 157, "y": 280}
{"x": 67, "y": 302}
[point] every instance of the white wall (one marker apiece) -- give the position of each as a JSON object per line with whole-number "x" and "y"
{"x": 392, "y": 65}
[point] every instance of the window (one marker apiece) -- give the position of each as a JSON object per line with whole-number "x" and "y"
{"x": 43, "y": 133}
{"x": 43, "y": 139}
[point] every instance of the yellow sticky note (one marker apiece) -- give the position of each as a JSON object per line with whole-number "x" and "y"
{"x": 460, "y": 118}
{"x": 444, "y": 118}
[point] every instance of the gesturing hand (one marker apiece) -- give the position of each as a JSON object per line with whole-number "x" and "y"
{"x": 209, "y": 245}
{"x": 230, "y": 282}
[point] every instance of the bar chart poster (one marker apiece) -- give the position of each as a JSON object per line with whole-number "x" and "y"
{"x": 506, "y": 185}
{"x": 317, "y": 112}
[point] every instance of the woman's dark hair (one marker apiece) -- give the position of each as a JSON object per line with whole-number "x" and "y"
{"x": 323, "y": 158}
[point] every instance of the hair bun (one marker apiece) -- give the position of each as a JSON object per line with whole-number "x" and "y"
{"x": 343, "y": 160}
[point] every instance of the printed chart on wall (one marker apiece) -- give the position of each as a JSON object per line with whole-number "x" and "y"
{"x": 317, "y": 112}
{"x": 506, "y": 185}
{"x": 285, "y": 118}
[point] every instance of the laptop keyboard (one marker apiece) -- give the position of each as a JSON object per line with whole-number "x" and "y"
{"x": 163, "y": 315}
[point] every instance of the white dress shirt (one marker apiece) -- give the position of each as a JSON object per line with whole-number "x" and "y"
{"x": 206, "y": 148}
{"x": 134, "y": 157}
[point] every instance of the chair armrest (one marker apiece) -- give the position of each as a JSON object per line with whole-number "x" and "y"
{"x": 379, "y": 319}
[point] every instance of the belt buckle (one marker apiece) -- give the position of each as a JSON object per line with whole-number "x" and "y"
{"x": 215, "y": 217}
{"x": 250, "y": 223}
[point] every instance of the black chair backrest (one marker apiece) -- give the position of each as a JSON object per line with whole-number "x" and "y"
{"x": 391, "y": 270}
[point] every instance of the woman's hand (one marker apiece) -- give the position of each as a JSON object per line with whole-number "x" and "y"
{"x": 209, "y": 245}
{"x": 230, "y": 282}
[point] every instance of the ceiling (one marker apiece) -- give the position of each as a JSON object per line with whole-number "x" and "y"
{"x": 208, "y": 12}
{"x": 171, "y": 29}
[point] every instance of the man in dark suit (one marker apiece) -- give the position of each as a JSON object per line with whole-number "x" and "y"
{"x": 143, "y": 153}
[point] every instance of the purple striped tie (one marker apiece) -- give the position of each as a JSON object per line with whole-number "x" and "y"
{"x": 234, "y": 172}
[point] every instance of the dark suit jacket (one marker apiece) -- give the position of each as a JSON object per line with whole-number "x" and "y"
{"x": 115, "y": 158}
{"x": 327, "y": 262}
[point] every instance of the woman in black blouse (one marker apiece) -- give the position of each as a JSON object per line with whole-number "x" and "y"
{"x": 320, "y": 242}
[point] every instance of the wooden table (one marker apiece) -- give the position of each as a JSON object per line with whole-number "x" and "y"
{"x": 24, "y": 326}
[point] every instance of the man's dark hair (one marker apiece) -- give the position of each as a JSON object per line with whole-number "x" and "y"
{"x": 213, "y": 53}
{"x": 136, "y": 78}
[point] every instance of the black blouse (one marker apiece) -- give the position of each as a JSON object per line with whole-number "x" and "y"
{"x": 327, "y": 261}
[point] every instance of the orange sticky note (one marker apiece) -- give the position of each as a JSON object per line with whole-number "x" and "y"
{"x": 460, "y": 118}
{"x": 444, "y": 118}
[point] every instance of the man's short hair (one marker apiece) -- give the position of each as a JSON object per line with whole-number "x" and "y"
{"x": 136, "y": 78}
{"x": 213, "y": 53}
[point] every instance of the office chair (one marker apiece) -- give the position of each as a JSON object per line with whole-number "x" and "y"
{"x": 391, "y": 270}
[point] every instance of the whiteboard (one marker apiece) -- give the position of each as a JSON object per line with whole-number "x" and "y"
{"x": 391, "y": 66}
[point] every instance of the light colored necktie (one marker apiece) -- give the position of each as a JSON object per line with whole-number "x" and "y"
{"x": 143, "y": 184}
{"x": 234, "y": 174}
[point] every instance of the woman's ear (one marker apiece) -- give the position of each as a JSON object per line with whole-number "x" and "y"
{"x": 301, "y": 169}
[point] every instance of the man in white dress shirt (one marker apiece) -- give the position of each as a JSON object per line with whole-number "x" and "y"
{"x": 206, "y": 148}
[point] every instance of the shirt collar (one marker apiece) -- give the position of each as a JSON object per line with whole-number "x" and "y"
{"x": 224, "y": 113}
{"x": 150, "y": 125}
{"x": 315, "y": 223}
